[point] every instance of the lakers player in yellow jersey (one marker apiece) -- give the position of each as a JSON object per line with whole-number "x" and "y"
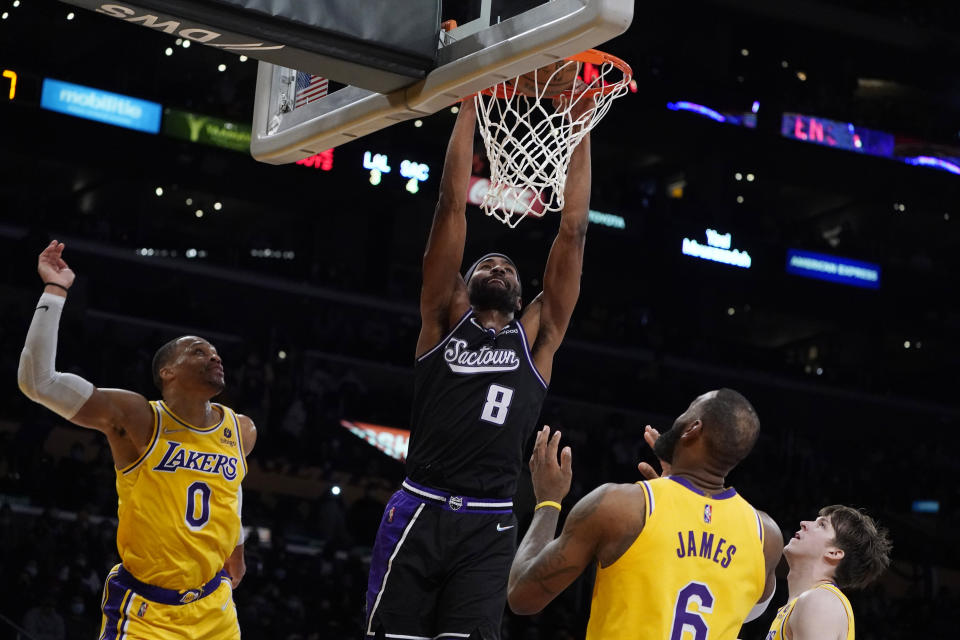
{"x": 679, "y": 558}
{"x": 842, "y": 548}
{"x": 179, "y": 464}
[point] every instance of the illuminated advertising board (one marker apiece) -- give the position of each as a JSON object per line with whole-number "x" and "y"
{"x": 719, "y": 248}
{"x": 832, "y": 133}
{"x": 833, "y": 268}
{"x": 391, "y": 441}
{"x": 215, "y": 132}
{"x": 102, "y": 106}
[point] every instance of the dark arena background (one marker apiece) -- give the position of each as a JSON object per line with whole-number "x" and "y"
{"x": 776, "y": 210}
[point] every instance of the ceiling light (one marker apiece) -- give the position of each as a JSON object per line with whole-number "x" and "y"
{"x": 801, "y": 76}
{"x": 454, "y": 109}
{"x": 221, "y": 67}
{"x": 189, "y": 201}
{"x": 169, "y": 51}
{"x": 186, "y": 44}
{"x": 70, "y": 16}
{"x": 158, "y": 191}
{"x": 199, "y": 213}
{"x": 243, "y": 58}
{"x": 418, "y": 123}
{"x": 750, "y": 177}
{"x": 217, "y": 206}
{"x": 739, "y": 199}
{"x": 744, "y": 52}
{"x": 738, "y": 176}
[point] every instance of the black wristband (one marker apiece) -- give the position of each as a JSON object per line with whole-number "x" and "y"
{"x": 54, "y": 284}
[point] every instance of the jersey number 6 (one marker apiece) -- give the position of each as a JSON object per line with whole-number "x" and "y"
{"x": 691, "y": 622}
{"x": 498, "y": 404}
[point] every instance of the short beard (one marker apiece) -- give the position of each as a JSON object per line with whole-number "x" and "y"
{"x": 666, "y": 444}
{"x": 503, "y": 300}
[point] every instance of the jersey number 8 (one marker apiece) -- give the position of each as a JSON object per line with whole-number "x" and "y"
{"x": 498, "y": 404}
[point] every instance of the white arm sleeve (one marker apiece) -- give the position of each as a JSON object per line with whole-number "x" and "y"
{"x": 758, "y": 610}
{"x": 62, "y": 393}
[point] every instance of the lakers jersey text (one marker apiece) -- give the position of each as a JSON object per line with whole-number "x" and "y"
{"x": 179, "y": 503}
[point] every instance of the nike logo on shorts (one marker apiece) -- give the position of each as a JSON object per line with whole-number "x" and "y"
{"x": 43, "y": 306}
{"x": 500, "y": 528}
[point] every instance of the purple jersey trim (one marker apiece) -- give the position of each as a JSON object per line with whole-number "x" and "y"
{"x": 723, "y": 495}
{"x": 526, "y": 350}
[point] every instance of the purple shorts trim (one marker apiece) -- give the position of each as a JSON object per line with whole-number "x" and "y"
{"x": 166, "y": 596}
{"x": 456, "y": 503}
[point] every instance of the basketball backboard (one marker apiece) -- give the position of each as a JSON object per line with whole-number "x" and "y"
{"x": 499, "y": 41}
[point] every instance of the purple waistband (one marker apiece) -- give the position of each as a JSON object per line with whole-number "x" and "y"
{"x": 458, "y": 504}
{"x": 168, "y": 596}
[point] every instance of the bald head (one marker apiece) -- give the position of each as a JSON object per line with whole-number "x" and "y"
{"x": 728, "y": 429}
{"x": 731, "y": 426}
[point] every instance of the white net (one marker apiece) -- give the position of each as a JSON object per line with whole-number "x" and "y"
{"x": 529, "y": 137}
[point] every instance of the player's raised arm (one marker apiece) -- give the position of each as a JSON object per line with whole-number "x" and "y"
{"x": 544, "y": 566}
{"x": 547, "y": 317}
{"x": 125, "y": 417}
{"x": 443, "y": 298}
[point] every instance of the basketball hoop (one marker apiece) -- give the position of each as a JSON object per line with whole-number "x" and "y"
{"x": 530, "y": 134}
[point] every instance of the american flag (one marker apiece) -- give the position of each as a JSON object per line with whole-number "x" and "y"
{"x": 309, "y": 88}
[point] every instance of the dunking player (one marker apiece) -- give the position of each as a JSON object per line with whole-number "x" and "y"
{"x": 842, "y": 548}
{"x": 179, "y": 462}
{"x": 677, "y": 555}
{"x": 441, "y": 557}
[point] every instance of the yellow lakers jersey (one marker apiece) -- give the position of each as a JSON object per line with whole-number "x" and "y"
{"x": 695, "y": 571}
{"x": 179, "y": 503}
{"x": 779, "y": 626}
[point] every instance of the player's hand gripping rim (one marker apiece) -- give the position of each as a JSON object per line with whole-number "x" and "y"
{"x": 551, "y": 480}
{"x": 650, "y": 435}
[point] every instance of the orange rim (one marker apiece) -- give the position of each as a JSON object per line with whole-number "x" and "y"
{"x": 592, "y": 56}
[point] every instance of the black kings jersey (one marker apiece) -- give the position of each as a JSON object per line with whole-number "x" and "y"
{"x": 476, "y": 400}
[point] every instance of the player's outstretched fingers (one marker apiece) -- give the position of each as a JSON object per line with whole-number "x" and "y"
{"x": 650, "y": 435}
{"x": 647, "y": 471}
{"x": 553, "y": 446}
{"x": 566, "y": 460}
{"x": 536, "y": 458}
